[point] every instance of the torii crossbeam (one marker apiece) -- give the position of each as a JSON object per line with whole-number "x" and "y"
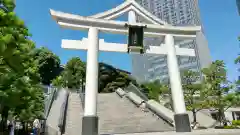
{"x": 154, "y": 28}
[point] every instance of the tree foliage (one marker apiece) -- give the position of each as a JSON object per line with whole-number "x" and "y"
{"x": 192, "y": 88}
{"x": 73, "y": 75}
{"x": 111, "y": 78}
{"x": 13, "y": 34}
{"x": 214, "y": 91}
{"x": 155, "y": 90}
{"x": 217, "y": 89}
{"x": 49, "y": 64}
{"x": 58, "y": 81}
{"x": 19, "y": 78}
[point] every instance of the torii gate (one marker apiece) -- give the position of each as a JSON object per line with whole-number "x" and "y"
{"x": 154, "y": 28}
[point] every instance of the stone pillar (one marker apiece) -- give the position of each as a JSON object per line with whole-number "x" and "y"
{"x": 90, "y": 119}
{"x": 181, "y": 118}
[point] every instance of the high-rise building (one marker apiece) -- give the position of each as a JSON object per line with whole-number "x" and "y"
{"x": 178, "y": 13}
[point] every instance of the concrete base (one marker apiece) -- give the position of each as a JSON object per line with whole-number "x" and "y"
{"x": 182, "y": 123}
{"x": 90, "y": 125}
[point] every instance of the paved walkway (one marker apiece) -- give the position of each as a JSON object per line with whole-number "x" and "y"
{"x": 195, "y": 132}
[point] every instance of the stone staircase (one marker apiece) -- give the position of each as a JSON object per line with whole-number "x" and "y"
{"x": 116, "y": 115}
{"x": 119, "y": 115}
{"x": 74, "y": 115}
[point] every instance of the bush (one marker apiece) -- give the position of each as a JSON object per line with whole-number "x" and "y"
{"x": 229, "y": 127}
{"x": 235, "y": 125}
{"x": 236, "y": 122}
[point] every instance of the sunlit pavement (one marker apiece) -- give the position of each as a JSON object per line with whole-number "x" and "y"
{"x": 195, "y": 132}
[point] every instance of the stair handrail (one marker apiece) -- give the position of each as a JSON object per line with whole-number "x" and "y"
{"x": 48, "y": 103}
{"x": 82, "y": 96}
{"x": 138, "y": 91}
{"x": 63, "y": 113}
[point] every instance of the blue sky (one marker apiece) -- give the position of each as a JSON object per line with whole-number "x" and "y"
{"x": 219, "y": 17}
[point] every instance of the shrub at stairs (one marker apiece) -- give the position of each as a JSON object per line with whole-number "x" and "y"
{"x": 235, "y": 125}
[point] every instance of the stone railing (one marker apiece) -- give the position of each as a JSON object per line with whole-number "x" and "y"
{"x": 161, "y": 111}
{"x": 139, "y": 99}
{"x": 63, "y": 112}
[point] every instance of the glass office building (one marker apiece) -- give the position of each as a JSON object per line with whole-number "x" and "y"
{"x": 178, "y": 13}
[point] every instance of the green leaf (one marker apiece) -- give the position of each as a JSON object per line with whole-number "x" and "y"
{"x": 2, "y": 47}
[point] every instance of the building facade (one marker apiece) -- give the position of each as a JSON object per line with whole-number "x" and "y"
{"x": 178, "y": 13}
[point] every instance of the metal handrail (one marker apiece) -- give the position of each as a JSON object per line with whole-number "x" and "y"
{"x": 82, "y": 96}
{"x": 49, "y": 101}
{"x": 63, "y": 113}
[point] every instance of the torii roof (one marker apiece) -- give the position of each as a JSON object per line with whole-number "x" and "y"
{"x": 130, "y": 5}
{"x": 102, "y": 21}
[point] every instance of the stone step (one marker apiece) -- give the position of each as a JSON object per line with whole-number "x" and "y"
{"x": 74, "y": 115}
{"x": 116, "y": 115}
{"x": 119, "y": 115}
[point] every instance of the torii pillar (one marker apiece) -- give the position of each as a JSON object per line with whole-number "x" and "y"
{"x": 90, "y": 119}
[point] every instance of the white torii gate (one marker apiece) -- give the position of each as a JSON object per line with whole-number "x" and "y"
{"x": 154, "y": 28}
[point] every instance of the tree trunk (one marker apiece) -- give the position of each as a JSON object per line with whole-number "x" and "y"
{"x": 3, "y": 123}
{"x": 221, "y": 117}
{"x": 24, "y": 127}
{"x": 194, "y": 115}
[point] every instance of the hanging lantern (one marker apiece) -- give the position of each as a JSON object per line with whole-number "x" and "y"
{"x": 135, "y": 39}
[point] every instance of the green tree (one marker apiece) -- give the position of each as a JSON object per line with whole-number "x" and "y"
{"x": 111, "y": 78}
{"x": 217, "y": 88}
{"x": 12, "y": 34}
{"x": 32, "y": 107}
{"x": 192, "y": 88}
{"x": 49, "y": 64}
{"x": 59, "y": 81}
{"x": 18, "y": 70}
{"x": 155, "y": 90}
{"x": 237, "y": 61}
{"x": 121, "y": 80}
{"x": 73, "y": 75}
